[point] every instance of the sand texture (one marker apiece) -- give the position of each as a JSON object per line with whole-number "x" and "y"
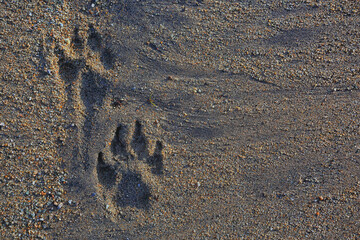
{"x": 179, "y": 119}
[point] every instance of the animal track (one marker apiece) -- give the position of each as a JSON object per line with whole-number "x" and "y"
{"x": 80, "y": 63}
{"x": 122, "y": 172}
{"x": 95, "y": 42}
{"x": 126, "y": 170}
{"x": 77, "y": 59}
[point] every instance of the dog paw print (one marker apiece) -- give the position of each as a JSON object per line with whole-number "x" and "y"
{"x": 126, "y": 169}
{"x": 82, "y": 59}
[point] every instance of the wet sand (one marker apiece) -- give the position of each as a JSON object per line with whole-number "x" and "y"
{"x": 179, "y": 120}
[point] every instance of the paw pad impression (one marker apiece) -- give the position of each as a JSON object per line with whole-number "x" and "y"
{"x": 121, "y": 176}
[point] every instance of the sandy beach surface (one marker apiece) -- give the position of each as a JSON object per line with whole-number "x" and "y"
{"x": 179, "y": 119}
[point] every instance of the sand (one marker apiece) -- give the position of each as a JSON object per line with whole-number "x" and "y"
{"x": 179, "y": 119}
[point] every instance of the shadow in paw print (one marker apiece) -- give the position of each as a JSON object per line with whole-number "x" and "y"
{"x": 68, "y": 69}
{"x": 118, "y": 144}
{"x": 106, "y": 173}
{"x": 95, "y": 42}
{"x": 69, "y": 72}
{"x": 107, "y": 58}
{"x": 139, "y": 142}
{"x": 77, "y": 42}
{"x": 156, "y": 160}
{"x": 133, "y": 191}
{"x": 94, "y": 39}
{"x": 93, "y": 92}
